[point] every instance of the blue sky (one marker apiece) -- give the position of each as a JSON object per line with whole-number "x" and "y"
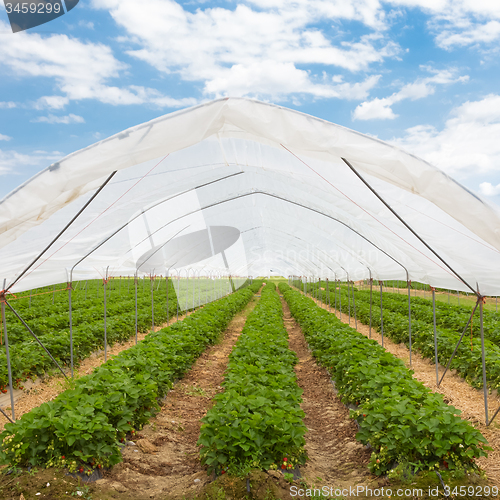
{"x": 422, "y": 74}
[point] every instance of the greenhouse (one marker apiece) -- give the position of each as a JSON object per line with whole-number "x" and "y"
{"x": 201, "y": 202}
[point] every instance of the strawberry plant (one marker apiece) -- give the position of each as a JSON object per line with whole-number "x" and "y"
{"x": 86, "y": 423}
{"x": 257, "y": 420}
{"x": 398, "y": 416}
{"x": 467, "y": 360}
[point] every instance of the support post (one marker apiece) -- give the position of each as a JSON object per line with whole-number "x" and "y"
{"x": 168, "y": 308}
{"x": 435, "y": 334}
{"x": 70, "y": 289}
{"x": 459, "y": 341}
{"x": 34, "y": 336}
{"x": 348, "y": 301}
{"x": 105, "y": 311}
{"x": 151, "y": 278}
{"x": 354, "y": 307}
{"x": 136, "y": 315}
{"x": 328, "y": 296}
{"x": 340, "y": 300}
{"x": 335, "y": 293}
{"x": 381, "y": 313}
{"x": 371, "y": 286}
{"x": 3, "y": 301}
{"x": 409, "y": 311}
{"x": 178, "y": 290}
{"x": 483, "y": 359}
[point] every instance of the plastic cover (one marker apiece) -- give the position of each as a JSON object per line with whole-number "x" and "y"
{"x": 243, "y": 188}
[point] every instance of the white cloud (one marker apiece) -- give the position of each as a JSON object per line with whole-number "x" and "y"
{"x": 5, "y": 137}
{"x": 255, "y": 52}
{"x": 476, "y": 33}
{"x": 80, "y": 70}
{"x": 86, "y": 24}
{"x": 489, "y": 189}
{"x": 459, "y": 23}
{"x": 51, "y": 102}
{"x": 7, "y": 105}
{"x": 12, "y": 162}
{"x": 467, "y": 145}
{"x": 71, "y": 118}
{"x": 381, "y": 108}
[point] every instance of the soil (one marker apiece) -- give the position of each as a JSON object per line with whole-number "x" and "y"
{"x": 165, "y": 458}
{"x": 335, "y": 457}
{"x": 43, "y": 390}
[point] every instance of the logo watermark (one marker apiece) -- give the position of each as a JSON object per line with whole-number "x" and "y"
{"x": 24, "y": 15}
{"x": 361, "y": 490}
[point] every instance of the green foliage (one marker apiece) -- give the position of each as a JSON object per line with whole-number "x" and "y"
{"x": 82, "y": 427}
{"x": 50, "y": 322}
{"x": 398, "y": 416}
{"x": 450, "y": 321}
{"x": 257, "y": 420}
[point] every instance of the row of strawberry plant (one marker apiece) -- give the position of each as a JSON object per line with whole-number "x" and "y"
{"x": 257, "y": 422}
{"x": 29, "y": 360}
{"x": 47, "y": 317}
{"x": 398, "y": 416}
{"x": 82, "y": 427}
{"x": 467, "y": 360}
{"x": 449, "y": 316}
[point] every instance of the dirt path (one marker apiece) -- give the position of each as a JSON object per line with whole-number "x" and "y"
{"x": 42, "y": 391}
{"x": 456, "y": 392}
{"x": 165, "y": 460}
{"x": 336, "y": 459}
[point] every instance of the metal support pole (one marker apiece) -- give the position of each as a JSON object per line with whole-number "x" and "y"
{"x": 187, "y": 291}
{"x": 151, "y": 278}
{"x": 168, "y": 308}
{"x": 371, "y": 286}
{"x": 86, "y": 285}
{"x": 53, "y": 294}
{"x": 340, "y": 300}
{"x": 6, "y": 416}
{"x": 136, "y": 315}
{"x": 381, "y": 314}
{"x": 409, "y": 312}
{"x": 178, "y": 290}
{"x": 458, "y": 297}
{"x": 483, "y": 359}
{"x": 3, "y": 301}
{"x": 435, "y": 334}
{"x": 348, "y": 301}
{"x": 354, "y": 306}
{"x": 459, "y": 340}
{"x": 70, "y": 289}
{"x": 34, "y": 336}
{"x": 105, "y": 333}
{"x": 328, "y": 296}
{"x": 335, "y": 298}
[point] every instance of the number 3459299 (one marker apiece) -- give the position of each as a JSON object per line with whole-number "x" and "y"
{"x": 33, "y": 8}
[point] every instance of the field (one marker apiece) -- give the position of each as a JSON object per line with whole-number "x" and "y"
{"x": 264, "y": 390}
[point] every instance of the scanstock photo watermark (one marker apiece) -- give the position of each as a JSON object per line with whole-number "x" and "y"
{"x": 25, "y": 15}
{"x": 364, "y": 491}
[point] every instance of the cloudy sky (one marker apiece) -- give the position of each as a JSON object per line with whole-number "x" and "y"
{"x": 422, "y": 74}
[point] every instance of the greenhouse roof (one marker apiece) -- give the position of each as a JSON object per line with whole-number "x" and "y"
{"x": 242, "y": 187}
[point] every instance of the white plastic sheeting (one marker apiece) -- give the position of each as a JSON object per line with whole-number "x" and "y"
{"x": 241, "y": 187}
